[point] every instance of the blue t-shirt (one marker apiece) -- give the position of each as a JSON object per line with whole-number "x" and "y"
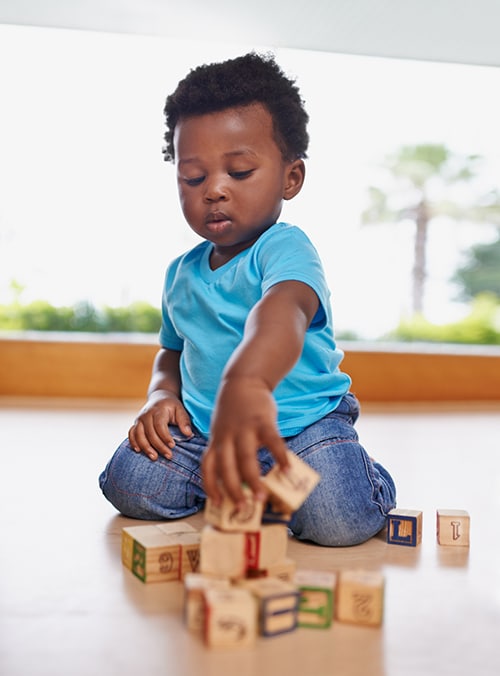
{"x": 204, "y": 313}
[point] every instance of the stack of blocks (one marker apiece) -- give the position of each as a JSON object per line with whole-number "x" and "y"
{"x": 248, "y": 547}
{"x": 239, "y": 582}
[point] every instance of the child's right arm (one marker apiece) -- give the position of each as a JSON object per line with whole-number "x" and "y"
{"x": 150, "y": 432}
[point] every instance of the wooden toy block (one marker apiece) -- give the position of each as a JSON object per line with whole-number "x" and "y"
{"x": 285, "y": 570}
{"x": 293, "y": 487}
{"x": 359, "y": 597}
{"x": 404, "y": 527}
{"x": 174, "y": 527}
{"x": 453, "y": 527}
{"x": 228, "y": 518}
{"x": 222, "y": 554}
{"x": 278, "y": 603}
{"x": 155, "y": 556}
{"x": 195, "y": 585}
{"x": 190, "y": 552}
{"x": 266, "y": 547}
{"x": 168, "y": 528}
{"x": 230, "y": 617}
{"x": 316, "y": 598}
{"x": 276, "y": 512}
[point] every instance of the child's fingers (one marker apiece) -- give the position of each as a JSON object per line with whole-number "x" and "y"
{"x": 144, "y": 437}
{"x": 228, "y": 468}
{"x": 139, "y": 442}
{"x": 248, "y": 468}
{"x": 276, "y": 445}
{"x": 183, "y": 421}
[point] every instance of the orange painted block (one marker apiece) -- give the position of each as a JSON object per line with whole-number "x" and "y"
{"x": 230, "y": 618}
{"x": 360, "y": 597}
{"x": 291, "y": 489}
{"x": 404, "y": 527}
{"x": 453, "y": 527}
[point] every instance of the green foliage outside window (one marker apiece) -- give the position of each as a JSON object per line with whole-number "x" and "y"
{"x": 481, "y": 326}
{"x": 42, "y": 316}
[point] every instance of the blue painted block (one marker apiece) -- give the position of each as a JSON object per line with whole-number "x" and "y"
{"x": 404, "y": 527}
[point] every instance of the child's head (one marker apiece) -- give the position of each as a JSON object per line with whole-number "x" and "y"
{"x": 240, "y": 82}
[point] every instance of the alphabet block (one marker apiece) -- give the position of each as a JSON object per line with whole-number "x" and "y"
{"x": 154, "y": 555}
{"x": 267, "y": 546}
{"x": 222, "y": 554}
{"x": 291, "y": 488}
{"x": 404, "y": 527}
{"x": 230, "y": 617}
{"x": 274, "y": 512}
{"x": 316, "y": 598}
{"x": 285, "y": 570}
{"x": 190, "y": 552}
{"x": 278, "y": 603}
{"x": 453, "y": 527}
{"x": 359, "y": 597}
{"x": 195, "y": 586}
{"x": 226, "y": 517}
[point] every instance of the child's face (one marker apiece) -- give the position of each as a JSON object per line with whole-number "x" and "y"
{"x": 232, "y": 177}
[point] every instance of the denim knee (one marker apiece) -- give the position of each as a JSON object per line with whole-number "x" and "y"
{"x": 333, "y": 524}
{"x": 354, "y": 495}
{"x": 142, "y": 489}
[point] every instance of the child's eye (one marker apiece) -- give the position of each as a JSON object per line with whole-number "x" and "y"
{"x": 194, "y": 181}
{"x": 240, "y": 175}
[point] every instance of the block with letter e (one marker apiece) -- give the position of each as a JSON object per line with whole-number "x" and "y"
{"x": 404, "y": 527}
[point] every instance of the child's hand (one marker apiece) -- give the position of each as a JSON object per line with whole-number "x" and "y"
{"x": 150, "y": 432}
{"x": 244, "y": 421}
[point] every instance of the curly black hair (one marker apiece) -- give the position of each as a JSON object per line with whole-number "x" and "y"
{"x": 252, "y": 78}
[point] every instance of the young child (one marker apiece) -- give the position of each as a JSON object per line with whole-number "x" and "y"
{"x": 248, "y": 365}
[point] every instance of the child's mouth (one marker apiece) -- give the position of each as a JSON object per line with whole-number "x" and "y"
{"x": 217, "y": 221}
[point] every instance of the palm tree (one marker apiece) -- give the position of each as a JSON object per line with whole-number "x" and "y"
{"x": 423, "y": 183}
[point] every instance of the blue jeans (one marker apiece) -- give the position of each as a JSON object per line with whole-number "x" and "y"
{"x": 348, "y": 506}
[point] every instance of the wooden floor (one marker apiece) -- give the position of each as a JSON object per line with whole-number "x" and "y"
{"x": 69, "y": 608}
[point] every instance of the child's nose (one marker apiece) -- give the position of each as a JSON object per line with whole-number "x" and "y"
{"x": 215, "y": 189}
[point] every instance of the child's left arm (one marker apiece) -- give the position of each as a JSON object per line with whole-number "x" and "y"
{"x": 244, "y": 417}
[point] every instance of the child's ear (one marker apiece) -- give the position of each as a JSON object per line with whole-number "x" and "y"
{"x": 294, "y": 179}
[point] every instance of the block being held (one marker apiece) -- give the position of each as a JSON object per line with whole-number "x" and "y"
{"x": 290, "y": 489}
